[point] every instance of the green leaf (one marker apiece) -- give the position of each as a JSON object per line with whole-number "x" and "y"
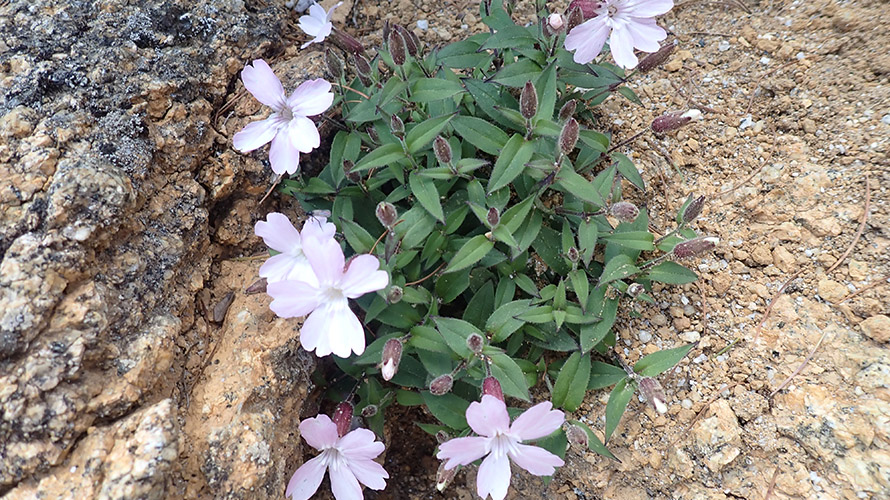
{"x": 511, "y": 162}
{"x": 425, "y": 191}
{"x": 671, "y": 273}
{"x": 581, "y": 284}
{"x": 658, "y": 362}
{"x": 463, "y": 54}
{"x": 434, "y": 89}
{"x": 540, "y": 314}
{"x": 598, "y": 306}
{"x": 470, "y": 253}
{"x": 627, "y": 169}
{"x": 450, "y": 286}
{"x": 587, "y": 235}
{"x": 382, "y": 156}
{"x": 630, "y": 95}
{"x": 411, "y": 373}
{"x": 408, "y": 398}
{"x": 510, "y": 37}
{"x": 480, "y": 133}
{"x": 580, "y": 187}
{"x": 360, "y": 240}
{"x": 547, "y": 94}
{"x": 619, "y": 267}
{"x": 636, "y": 240}
{"x": 510, "y": 376}
{"x": 571, "y": 384}
{"x": 424, "y": 132}
{"x": 594, "y": 139}
{"x": 517, "y": 73}
{"x": 503, "y": 321}
{"x": 448, "y": 408}
{"x": 428, "y": 339}
{"x": 618, "y": 399}
{"x": 593, "y": 442}
{"x": 455, "y": 332}
{"x": 603, "y": 375}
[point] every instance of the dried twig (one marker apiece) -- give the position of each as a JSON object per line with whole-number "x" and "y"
{"x": 772, "y": 485}
{"x": 421, "y": 280}
{"x": 755, "y": 172}
{"x": 859, "y": 231}
{"x": 882, "y": 281}
{"x": 802, "y": 365}
{"x": 769, "y": 308}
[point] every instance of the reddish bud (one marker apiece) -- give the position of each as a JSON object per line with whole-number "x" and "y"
{"x": 397, "y": 126}
{"x": 576, "y": 17}
{"x": 556, "y": 22}
{"x": 372, "y": 134}
{"x": 369, "y": 411}
{"x": 394, "y": 295}
{"x": 392, "y": 355}
{"x": 653, "y": 393}
{"x": 673, "y": 121}
{"x": 655, "y": 59}
{"x": 635, "y": 289}
{"x": 475, "y": 342}
{"x": 411, "y": 41}
{"x": 343, "y": 417}
{"x": 494, "y": 217}
{"x": 397, "y": 47}
{"x": 441, "y": 385}
{"x": 567, "y": 110}
{"x": 386, "y": 214}
{"x": 573, "y": 255}
{"x": 695, "y": 246}
{"x": 492, "y": 387}
{"x": 625, "y": 211}
{"x": 693, "y": 210}
{"x": 346, "y": 42}
{"x": 442, "y": 436}
{"x": 442, "y": 150}
{"x": 528, "y": 100}
{"x": 334, "y": 64}
{"x": 577, "y": 436}
{"x": 445, "y": 476}
{"x": 569, "y": 136}
{"x": 362, "y": 66}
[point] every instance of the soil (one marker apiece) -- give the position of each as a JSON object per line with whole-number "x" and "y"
{"x": 792, "y": 156}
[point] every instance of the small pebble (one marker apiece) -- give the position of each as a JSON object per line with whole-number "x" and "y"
{"x": 423, "y": 24}
{"x": 723, "y": 46}
{"x": 644, "y": 336}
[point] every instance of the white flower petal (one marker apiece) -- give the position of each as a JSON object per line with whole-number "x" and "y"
{"x": 344, "y": 484}
{"x": 279, "y": 234}
{"x": 262, "y": 83}
{"x": 283, "y": 155}
{"x": 256, "y": 134}
{"x": 622, "y": 44}
{"x": 587, "y": 39}
{"x": 493, "y": 477}
{"x": 302, "y": 134}
{"x": 306, "y": 480}
{"x": 312, "y": 97}
{"x": 538, "y": 461}
{"x": 292, "y": 299}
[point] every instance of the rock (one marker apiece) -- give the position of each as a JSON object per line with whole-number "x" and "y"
{"x": 718, "y": 437}
{"x": 877, "y": 328}
{"x": 784, "y": 260}
{"x": 831, "y": 290}
{"x": 858, "y": 270}
{"x": 674, "y": 65}
{"x": 762, "y": 256}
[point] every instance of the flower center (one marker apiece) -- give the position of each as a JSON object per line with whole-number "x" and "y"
{"x": 612, "y": 10}
{"x": 333, "y": 295}
{"x": 333, "y": 458}
{"x": 286, "y": 113}
{"x": 502, "y": 444}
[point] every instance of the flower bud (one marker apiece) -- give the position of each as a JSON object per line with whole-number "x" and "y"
{"x": 573, "y": 255}
{"x": 653, "y": 393}
{"x": 346, "y": 42}
{"x": 347, "y": 170}
{"x": 569, "y": 136}
{"x": 576, "y": 17}
{"x": 369, "y": 411}
{"x": 343, "y": 417}
{"x": 655, "y": 59}
{"x": 362, "y": 66}
{"x": 588, "y": 8}
{"x": 442, "y": 150}
{"x": 492, "y": 387}
{"x": 528, "y": 101}
{"x": 556, "y": 22}
{"x": 445, "y": 476}
{"x": 475, "y": 342}
{"x": 258, "y": 286}
{"x": 673, "y": 121}
{"x": 390, "y": 245}
{"x": 695, "y": 246}
{"x": 625, "y": 211}
{"x": 635, "y": 289}
{"x": 394, "y": 295}
{"x": 386, "y": 29}
{"x": 567, "y": 110}
{"x": 392, "y": 355}
{"x": 411, "y": 40}
{"x": 397, "y": 126}
{"x": 442, "y": 436}
{"x": 693, "y": 210}
{"x": 335, "y": 65}
{"x": 386, "y": 214}
{"x": 494, "y": 217}
{"x": 441, "y": 385}
{"x": 397, "y": 47}
{"x": 577, "y": 436}
{"x": 372, "y": 134}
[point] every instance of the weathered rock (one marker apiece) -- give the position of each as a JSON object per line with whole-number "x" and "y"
{"x": 718, "y": 437}
{"x": 877, "y": 328}
{"x": 106, "y": 118}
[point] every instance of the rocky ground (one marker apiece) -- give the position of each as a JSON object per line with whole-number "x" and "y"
{"x": 125, "y": 218}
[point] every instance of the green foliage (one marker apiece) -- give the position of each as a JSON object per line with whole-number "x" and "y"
{"x": 506, "y": 236}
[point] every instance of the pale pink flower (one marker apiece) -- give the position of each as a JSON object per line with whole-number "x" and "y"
{"x": 318, "y": 23}
{"x": 626, "y": 23}
{"x": 502, "y": 443}
{"x": 280, "y": 235}
{"x": 348, "y": 459}
{"x": 331, "y": 326}
{"x": 288, "y": 127}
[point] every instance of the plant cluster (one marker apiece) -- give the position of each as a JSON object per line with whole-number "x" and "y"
{"x": 476, "y": 219}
